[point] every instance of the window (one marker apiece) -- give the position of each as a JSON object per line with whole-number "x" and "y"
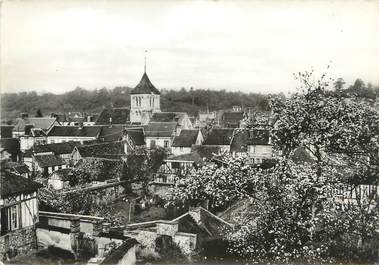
{"x": 166, "y": 144}
{"x": 136, "y": 102}
{"x": 152, "y": 144}
{"x": 181, "y": 149}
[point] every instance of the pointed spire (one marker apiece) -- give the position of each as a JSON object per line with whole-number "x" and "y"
{"x": 145, "y": 62}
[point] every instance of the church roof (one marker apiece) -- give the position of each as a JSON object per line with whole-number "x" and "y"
{"x": 145, "y": 87}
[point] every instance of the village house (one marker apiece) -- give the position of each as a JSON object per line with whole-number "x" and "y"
{"x": 60, "y": 179}
{"x": 232, "y": 119}
{"x": 17, "y": 168}
{"x": 204, "y": 118}
{"x": 178, "y": 166}
{"x": 144, "y": 101}
{"x": 182, "y": 143}
{"x": 134, "y": 136}
{"x": 220, "y": 137}
{"x": 181, "y": 118}
{"x": 63, "y": 150}
{"x": 47, "y": 164}
{"x": 34, "y": 136}
{"x": 160, "y": 134}
{"x": 60, "y": 134}
{"x": 255, "y": 144}
{"x": 110, "y": 150}
{"x": 42, "y": 123}
{"x": 18, "y": 215}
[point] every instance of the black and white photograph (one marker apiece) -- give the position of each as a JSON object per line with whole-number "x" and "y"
{"x": 203, "y": 132}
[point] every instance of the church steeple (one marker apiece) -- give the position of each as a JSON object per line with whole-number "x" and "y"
{"x": 144, "y": 71}
{"x": 145, "y": 87}
{"x": 144, "y": 99}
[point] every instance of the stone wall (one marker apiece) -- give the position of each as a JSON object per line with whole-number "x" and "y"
{"x": 17, "y": 242}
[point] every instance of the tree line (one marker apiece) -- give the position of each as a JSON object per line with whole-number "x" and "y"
{"x": 184, "y": 100}
{"x": 93, "y": 101}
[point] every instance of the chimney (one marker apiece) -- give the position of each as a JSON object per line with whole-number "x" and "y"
{"x": 195, "y": 213}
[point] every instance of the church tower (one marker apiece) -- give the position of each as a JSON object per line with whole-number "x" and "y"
{"x": 144, "y": 100}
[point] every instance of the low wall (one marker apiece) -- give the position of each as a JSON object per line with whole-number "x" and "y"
{"x": 62, "y": 220}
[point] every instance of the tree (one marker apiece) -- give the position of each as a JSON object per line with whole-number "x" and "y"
{"x": 39, "y": 113}
{"x": 143, "y": 163}
{"x": 338, "y": 85}
{"x": 293, "y": 206}
{"x": 323, "y": 122}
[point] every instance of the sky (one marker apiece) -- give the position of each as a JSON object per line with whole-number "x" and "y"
{"x": 250, "y": 46}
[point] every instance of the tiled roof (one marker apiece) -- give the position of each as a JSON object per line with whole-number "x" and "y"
{"x": 234, "y": 116}
{"x": 75, "y": 131}
{"x": 118, "y": 115}
{"x": 6, "y": 131}
{"x": 160, "y": 129}
{"x": 206, "y": 151}
{"x": 209, "y": 225}
{"x": 186, "y": 138}
{"x": 43, "y": 123}
{"x": 12, "y": 184}
{"x": 219, "y": 137}
{"x": 193, "y": 156}
{"x": 243, "y": 138}
{"x": 48, "y": 160}
{"x": 21, "y": 169}
{"x": 56, "y": 148}
{"x": 145, "y": 87}
{"x": 118, "y": 253}
{"x": 63, "y": 173}
{"x": 136, "y": 134}
{"x": 167, "y": 116}
{"x": 102, "y": 150}
{"x": 111, "y": 133}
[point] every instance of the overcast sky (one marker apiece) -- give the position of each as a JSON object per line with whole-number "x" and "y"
{"x": 252, "y": 46}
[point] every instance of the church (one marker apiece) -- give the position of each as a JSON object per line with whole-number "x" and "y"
{"x": 144, "y": 102}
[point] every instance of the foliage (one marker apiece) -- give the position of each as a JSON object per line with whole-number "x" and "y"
{"x": 294, "y": 212}
{"x": 93, "y": 101}
{"x": 88, "y": 170}
{"x": 143, "y": 163}
{"x": 97, "y": 203}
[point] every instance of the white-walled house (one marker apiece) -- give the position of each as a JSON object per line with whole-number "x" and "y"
{"x": 220, "y": 137}
{"x": 33, "y": 137}
{"x": 61, "y": 134}
{"x": 182, "y": 144}
{"x": 181, "y": 118}
{"x": 255, "y": 144}
{"x": 160, "y": 134}
{"x": 60, "y": 179}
